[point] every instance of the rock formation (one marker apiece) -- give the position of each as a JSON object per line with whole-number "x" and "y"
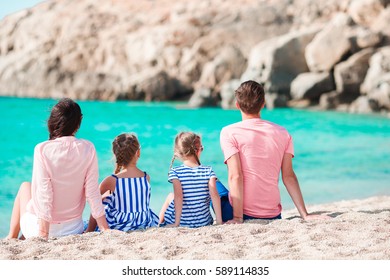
{"x": 302, "y": 50}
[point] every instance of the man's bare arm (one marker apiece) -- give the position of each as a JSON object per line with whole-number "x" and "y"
{"x": 290, "y": 180}
{"x": 236, "y": 186}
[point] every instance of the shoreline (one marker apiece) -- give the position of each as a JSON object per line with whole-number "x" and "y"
{"x": 183, "y": 104}
{"x": 359, "y": 229}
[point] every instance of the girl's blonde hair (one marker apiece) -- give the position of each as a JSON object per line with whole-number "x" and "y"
{"x": 124, "y": 147}
{"x": 186, "y": 144}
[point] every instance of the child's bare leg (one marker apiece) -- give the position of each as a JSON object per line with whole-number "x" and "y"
{"x": 92, "y": 224}
{"x": 164, "y": 208}
{"x": 20, "y": 203}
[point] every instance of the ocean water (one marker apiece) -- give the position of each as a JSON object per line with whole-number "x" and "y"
{"x": 338, "y": 156}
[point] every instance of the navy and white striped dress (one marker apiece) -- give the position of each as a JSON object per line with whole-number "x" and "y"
{"x": 196, "y": 196}
{"x": 127, "y": 208}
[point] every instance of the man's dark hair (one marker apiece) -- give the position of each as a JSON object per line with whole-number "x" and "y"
{"x": 250, "y": 97}
{"x": 65, "y": 119}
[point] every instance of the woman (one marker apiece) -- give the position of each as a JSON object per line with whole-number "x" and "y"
{"x": 65, "y": 174}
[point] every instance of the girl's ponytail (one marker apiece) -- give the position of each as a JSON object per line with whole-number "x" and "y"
{"x": 173, "y": 159}
{"x": 124, "y": 147}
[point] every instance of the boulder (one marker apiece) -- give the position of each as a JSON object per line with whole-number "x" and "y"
{"x": 379, "y": 65}
{"x": 381, "y": 94}
{"x": 365, "y": 12}
{"x": 361, "y": 38}
{"x": 350, "y": 74}
{"x": 329, "y": 100}
{"x": 228, "y": 94}
{"x": 381, "y": 25}
{"x": 330, "y": 45}
{"x": 202, "y": 97}
{"x": 158, "y": 86}
{"x": 274, "y": 100}
{"x": 301, "y": 103}
{"x": 311, "y": 85}
{"x": 362, "y": 105}
{"x": 307, "y": 12}
{"x": 277, "y": 61}
{"x": 376, "y": 84}
{"x": 229, "y": 64}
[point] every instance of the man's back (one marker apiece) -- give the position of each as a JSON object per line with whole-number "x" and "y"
{"x": 261, "y": 146}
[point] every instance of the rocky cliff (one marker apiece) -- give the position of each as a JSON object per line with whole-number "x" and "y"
{"x": 335, "y": 53}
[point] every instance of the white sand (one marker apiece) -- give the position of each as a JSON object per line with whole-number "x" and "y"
{"x": 359, "y": 229}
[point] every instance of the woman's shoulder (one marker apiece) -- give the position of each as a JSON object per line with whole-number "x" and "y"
{"x": 50, "y": 147}
{"x": 85, "y": 142}
{"x": 58, "y": 141}
{"x": 40, "y": 145}
{"x": 85, "y": 145}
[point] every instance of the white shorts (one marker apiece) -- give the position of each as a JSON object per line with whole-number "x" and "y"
{"x": 30, "y": 227}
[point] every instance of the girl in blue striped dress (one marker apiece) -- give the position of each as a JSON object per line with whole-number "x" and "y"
{"x": 126, "y": 193}
{"x": 194, "y": 184}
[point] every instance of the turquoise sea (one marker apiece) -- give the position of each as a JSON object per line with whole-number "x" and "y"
{"x": 338, "y": 156}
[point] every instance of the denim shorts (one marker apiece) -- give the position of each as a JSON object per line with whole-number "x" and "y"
{"x": 227, "y": 209}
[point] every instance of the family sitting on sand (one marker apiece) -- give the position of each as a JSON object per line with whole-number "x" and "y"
{"x": 65, "y": 175}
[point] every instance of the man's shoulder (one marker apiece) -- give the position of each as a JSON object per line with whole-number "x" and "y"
{"x": 258, "y": 123}
{"x": 232, "y": 126}
{"x": 275, "y": 126}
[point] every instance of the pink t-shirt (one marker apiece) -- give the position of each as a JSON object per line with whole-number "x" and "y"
{"x": 65, "y": 174}
{"x": 261, "y": 146}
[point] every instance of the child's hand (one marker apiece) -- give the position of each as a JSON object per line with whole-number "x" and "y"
{"x": 235, "y": 221}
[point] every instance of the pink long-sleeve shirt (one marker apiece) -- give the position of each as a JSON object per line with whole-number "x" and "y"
{"x": 65, "y": 175}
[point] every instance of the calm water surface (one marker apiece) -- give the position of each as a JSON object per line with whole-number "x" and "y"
{"x": 337, "y": 156}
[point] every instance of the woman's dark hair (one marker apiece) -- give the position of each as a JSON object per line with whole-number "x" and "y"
{"x": 65, "y": 119}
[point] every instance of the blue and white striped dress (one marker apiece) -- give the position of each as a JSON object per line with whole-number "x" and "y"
{"x": 127, "y": 208}
{"x": 196, "y": 196}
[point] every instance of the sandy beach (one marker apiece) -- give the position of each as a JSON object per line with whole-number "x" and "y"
{"x": 359, "y": 229}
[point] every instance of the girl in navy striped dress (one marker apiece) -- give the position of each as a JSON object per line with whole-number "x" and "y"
{"x": 194, "y": 184}
{"x": 126, "y": 193}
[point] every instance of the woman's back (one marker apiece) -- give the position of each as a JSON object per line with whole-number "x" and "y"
{"x": 65, "y": 173}
{"x": 61, "y": 167}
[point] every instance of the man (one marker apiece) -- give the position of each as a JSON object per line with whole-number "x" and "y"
{"x": 256, "y": 151}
